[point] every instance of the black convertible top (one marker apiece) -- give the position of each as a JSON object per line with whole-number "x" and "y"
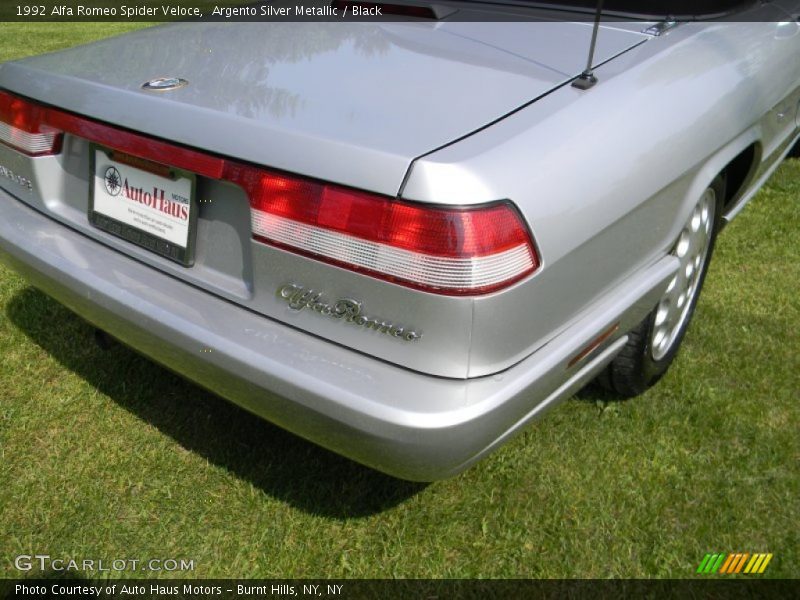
{"x": 684, "y": 8}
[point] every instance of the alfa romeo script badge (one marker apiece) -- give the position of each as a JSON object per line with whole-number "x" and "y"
{"x": 344, "y": 309}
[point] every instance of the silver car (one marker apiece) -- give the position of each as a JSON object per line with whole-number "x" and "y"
{"x": 400, "y": 240}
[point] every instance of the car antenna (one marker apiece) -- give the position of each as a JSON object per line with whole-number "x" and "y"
{"x": 587, "y": 79}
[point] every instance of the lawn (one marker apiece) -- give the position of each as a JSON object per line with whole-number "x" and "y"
{"x": 107, "y": 455}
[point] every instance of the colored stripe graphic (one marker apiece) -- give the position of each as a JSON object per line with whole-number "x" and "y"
{"x": 715, "y": 565}
{"x": 710, "y": 563}
{"x": 731, "y": 564}
{"x": 755, "y": 561}
{"x": 703, "y": 563}
{"x": 741, "y": 562}
{"x": 765, "y": 563}
{"x": 735, "y": 563}
{"x": 726, "y": 566}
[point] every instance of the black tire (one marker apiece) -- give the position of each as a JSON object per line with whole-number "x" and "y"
{"x": 635, "y": 369}
{"x": 795, "y": 151}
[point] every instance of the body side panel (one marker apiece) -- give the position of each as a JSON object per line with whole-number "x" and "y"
{"x": 606, "y": 177}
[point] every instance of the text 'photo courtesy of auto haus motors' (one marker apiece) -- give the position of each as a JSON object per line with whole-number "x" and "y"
{"x": 400, "y": 240}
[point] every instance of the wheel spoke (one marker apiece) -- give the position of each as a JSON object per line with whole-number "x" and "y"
{"x": 691, "y": 250}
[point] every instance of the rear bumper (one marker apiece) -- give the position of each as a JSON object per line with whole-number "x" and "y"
{"x": 398, "y": 421}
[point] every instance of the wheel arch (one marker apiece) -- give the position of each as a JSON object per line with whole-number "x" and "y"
{"x": 737, "y": 161}
{"x": 739, "y": 173}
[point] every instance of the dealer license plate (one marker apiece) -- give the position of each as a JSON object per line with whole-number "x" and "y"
{"x": 146, "y": 203}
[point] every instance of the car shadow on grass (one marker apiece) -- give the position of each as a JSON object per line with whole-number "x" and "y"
{"x": 277, "y": 462}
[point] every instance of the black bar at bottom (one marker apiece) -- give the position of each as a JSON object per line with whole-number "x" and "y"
{"x": 76, "y": 587}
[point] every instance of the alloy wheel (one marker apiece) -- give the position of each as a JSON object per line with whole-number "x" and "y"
{"x": 691, "y": 249}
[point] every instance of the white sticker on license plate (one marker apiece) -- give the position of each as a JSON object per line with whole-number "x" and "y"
{"x": 156, "y": 205}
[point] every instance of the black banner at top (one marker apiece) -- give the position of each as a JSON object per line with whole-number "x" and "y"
{"x": 393, "y": 10}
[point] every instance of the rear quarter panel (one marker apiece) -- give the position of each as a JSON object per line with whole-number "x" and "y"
{"x": 606, "y": 178}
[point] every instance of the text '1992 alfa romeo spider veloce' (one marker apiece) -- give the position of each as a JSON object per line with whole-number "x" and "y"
{"x": 401, "y": 240}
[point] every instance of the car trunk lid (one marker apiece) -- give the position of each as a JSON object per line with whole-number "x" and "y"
{"x": 348, "y": 103}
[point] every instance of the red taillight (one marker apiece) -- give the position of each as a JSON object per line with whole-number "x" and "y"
{"x": 454, "y": 251}
{"x": 23, "y": 127}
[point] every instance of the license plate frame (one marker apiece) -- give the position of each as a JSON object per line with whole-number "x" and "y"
{"x": 157, "y": 244}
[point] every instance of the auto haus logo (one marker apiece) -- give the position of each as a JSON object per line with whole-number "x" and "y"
{"x": 345, "y": 309}
{"x": 117, "y": 185}
{"x": 113, "y": 181}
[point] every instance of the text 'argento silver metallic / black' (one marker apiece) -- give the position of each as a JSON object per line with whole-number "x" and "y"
{"x": 350, "y": 310}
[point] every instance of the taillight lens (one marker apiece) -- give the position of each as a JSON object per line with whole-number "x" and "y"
{"x": 454, "y": 251}
{"x": 23, "y": 127}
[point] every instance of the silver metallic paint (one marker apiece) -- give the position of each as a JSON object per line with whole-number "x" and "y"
{"x": 410, "y": 425}
{"x": 607, "y": 178}
{"x": 604, "y": 178}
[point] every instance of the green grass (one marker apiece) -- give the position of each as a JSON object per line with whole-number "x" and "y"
{"x": 18, "y": 40}
{"x": 107, "y": 455}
